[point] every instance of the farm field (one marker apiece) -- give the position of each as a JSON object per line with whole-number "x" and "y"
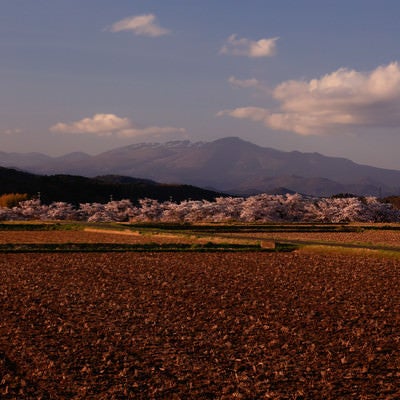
{"x": 177, "y": 325}
{"x": 372, "y": 237}
{"x": 81, "y": 236}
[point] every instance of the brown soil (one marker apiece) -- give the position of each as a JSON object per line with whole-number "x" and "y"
{"x": 381, "y": 237}
{"x": 85, "y": 237}
{"x": 199, "y": 326}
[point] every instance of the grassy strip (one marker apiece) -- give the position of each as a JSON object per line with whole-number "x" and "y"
{"x": 283, "y": 247}
{"x": 234, "y": 228}
{"x": 184, "y": 228}
{"x": 40, "y": 226}
{"x": 112, "y": 247}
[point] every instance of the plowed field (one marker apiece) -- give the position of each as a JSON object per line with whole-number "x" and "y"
{"x": 199, "y": 326}
{"x": 375, "y": 237}
{"x": 85, "y": 237}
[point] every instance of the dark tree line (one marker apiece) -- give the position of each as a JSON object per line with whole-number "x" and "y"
{"x": 77, "y": 189}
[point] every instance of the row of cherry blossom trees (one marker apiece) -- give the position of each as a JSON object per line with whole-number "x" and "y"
{"x": 260, "y": 208}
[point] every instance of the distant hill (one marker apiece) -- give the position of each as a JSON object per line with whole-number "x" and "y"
{"x": 230, "y": 165}
{"x": 78, "y": 189}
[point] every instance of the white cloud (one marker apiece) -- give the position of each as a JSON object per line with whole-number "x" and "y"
{"x": 143, "y": 25}
{"x": 111, "y": 124}
{"x": 341, "y": 99}
{"x": 244, "y": 83}
{"x": 99, "y": 124}
{"x": 249, "y": 48}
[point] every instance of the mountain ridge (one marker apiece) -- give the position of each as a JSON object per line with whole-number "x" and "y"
{"x": 229, "y": 165}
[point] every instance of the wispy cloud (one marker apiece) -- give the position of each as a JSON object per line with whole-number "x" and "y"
{"x": 10, "y": 132}
{"x": 150, "y": 130}
{"x": 111, "y": 124}
{"x": 341, "y": 99}
{"x": 249, "y": 48}
{"x": 252, "y": 113}
{"x": 142, "y": 25}
{"x": 244, "y": 83}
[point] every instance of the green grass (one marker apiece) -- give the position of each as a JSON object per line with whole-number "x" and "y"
{"x": 196, "y": 228}
{"x": 40, "y": 226}
{"x": 243, "y": 227}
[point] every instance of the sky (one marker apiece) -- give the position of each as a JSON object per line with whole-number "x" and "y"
{"x": 308, "y": 75}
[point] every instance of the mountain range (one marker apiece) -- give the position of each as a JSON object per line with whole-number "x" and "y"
{"x": 230, "y": 165}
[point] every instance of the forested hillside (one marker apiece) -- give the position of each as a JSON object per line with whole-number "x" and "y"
{"x": 76, "y": 189}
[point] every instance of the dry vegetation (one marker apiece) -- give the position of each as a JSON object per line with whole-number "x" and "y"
{"x": 86, "y": 237}
{"x": 374, "y": 237}
{"x": 199, "y": 326}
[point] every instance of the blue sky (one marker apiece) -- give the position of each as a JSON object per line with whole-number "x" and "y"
{"x": 92, "y": 75}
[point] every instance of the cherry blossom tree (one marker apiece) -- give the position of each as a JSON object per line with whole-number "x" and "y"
{"x": 260, "y": 208}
